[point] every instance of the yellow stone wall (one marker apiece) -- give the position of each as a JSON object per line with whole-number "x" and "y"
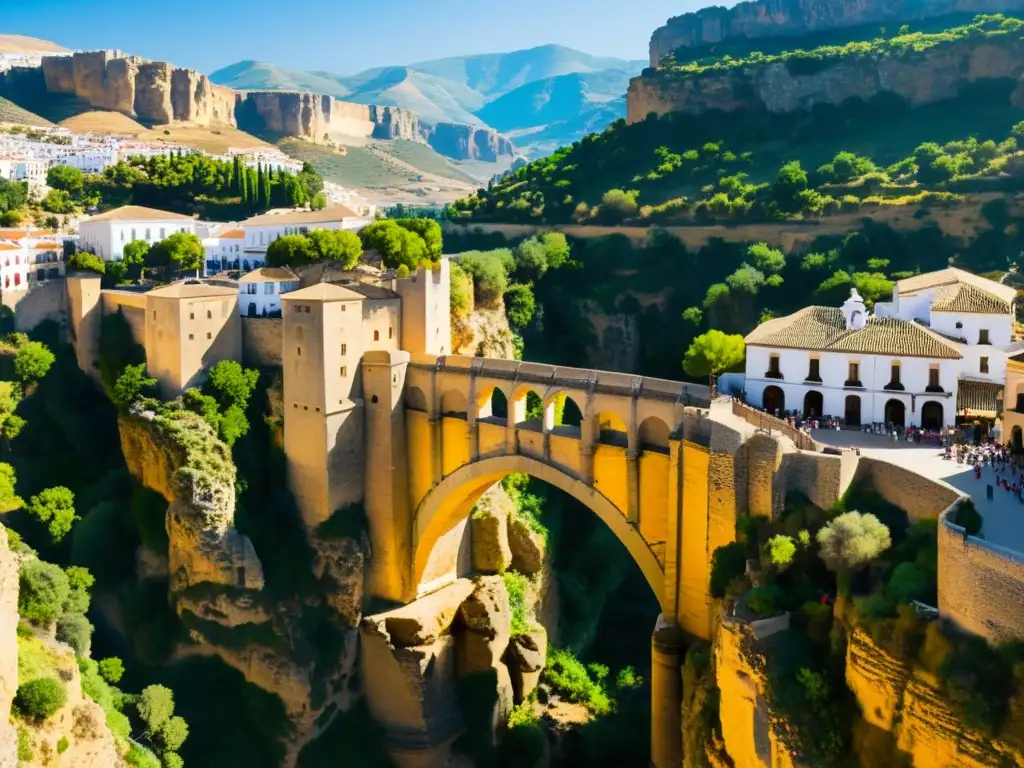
{"x": 610, "y": 474}
{"x": 492, "y": 438}
{"x": 654, "y": 503}
{"x": 565, "y": 452}
{"x": 694, "y": 571}
{"x": 455, "y": 444}
{"x": 420, "y": 457}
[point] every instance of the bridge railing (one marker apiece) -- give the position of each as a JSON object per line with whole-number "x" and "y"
{"x": 767, "y": 422}
{"x": 608, "y": 382}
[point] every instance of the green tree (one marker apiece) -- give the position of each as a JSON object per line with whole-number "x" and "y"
{"x": 183, "y": 250}
{"x": 172, "y": 734}
{"x": 89, "y": 262}
{"x": 40, "y": 699}
{"x": 290, "y": 251}
{"x": 768, "y": 260}
{"x": 693, "y": 315}
{"x": 851, "y": 541}
{"x": 58, "y": 201}
{"x": 134, "y": 254}
{"x": 75, "y": 630}
{"x": 519, "y": 306}
{"x": 66, "y": 179}
{"x": 489, "y": 270}
{"x": 155, "y": 707}
{"x": 430, "y": 231}
{"x": 395, "y": 244}
{"x": 9, "y": 500}
{"x": 789, "y": 183}
{"x": 133, "y": 383}
{"x": 712, "y": 353}
{"x": 779, "y": 551}
{"x": 32, "y": 361}
{"x": 54, "y": 507}
{"x": 111, "y": 669}
{"x": 231, "y": 384}
{"x": 80, "y": 582}
{"x": 338, "y": 245}
{"x": 43, "y": 590}
{"x": 318, "y": 202}
{"x": 461, "y": 295}
{"x": 617, "y": 205}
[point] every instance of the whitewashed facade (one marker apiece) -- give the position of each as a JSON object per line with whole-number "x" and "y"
{"x": 937, "y": 351}
{"x": 107, "y": 234}
{"x": 261, "y": 231}
{"x": 260, "y": 291}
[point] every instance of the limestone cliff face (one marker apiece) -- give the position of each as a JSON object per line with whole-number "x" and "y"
{"x": 8, "y": 649}
{"x": 921, "y": 78}
{"x": 777, "y": 18}
{"x": 933, "y": 75}
{"x": 908, "y": 703}
{"x": 197, "y": 478}
{"x": 468, "y": 142}
{"x": 153, "y": 91}
{"x": 392, "y": 122}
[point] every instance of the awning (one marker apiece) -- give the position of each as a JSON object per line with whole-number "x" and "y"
{"x": 977, "y": 398}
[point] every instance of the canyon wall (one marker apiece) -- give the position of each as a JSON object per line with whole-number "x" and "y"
{"x": 779, "y": 18}
{"x": 921, "y": 78}
{"x": 157, "y": 93}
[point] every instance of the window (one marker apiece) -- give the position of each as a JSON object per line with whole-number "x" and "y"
{"x": 251, "y": 290}
{"x": 391, "y": 333}
{"x": 154, "y": 314}
{"x": 162, "y": 235}
{"x": 853, "y": 375}
{"x": 148, "y": 233}
{"x": 894, "y": 373}
{"x": 305, "y": 308}
{"x": 209, "y": 314}
{"x": 122, "y": 235}
{"x": 209, "y": 336}
{"x": 773, "y": 368}
{"x": 984, "y": 365}
{"x": 344, "y": 371}
{"x": 133, "y": 233}
{"x": 191, "y": 315}
{"x": 298, "y": 351}
{"x": 268, "y": 289}
{"x": 814, "y": 370}
{"x": 983, "y": 336}
{"x": 191, "y": 337}
{"x": 344, "y": 349}
{"x": 933, "y": 380}
{"x": 376, "y": 335}
{"x": 297, "y": 308}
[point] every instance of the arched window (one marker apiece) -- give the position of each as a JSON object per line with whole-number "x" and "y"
{"x": 653, "y": 435}
{"x": 612, "y": 430}
{"x": 568, "y": 416}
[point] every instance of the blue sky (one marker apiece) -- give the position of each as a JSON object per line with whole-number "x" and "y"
{"x": 339, "y": 35}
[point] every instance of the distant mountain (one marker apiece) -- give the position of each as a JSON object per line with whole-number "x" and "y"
{"x": 261, "y": 76}
{"x": 23, "y": 44}
{"x": 494, "y": 74}
{"x": 543, "y": 96}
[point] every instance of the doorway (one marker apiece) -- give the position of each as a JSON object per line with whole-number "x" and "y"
{"x": 853, "y": 410}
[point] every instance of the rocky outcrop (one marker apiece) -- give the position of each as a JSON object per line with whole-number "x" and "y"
{"x": 908, "y": 703}
{"x": 784, "y": 18}
{"x": 194, "y": 98}
{"x": 489, "y": 531}
{"x": 8, "y": 649}
{"x": 526, "y": 657}
{"x": 468, "y": 142}
{"x": 180, "y": 457}
{"x": 393, "y": 122}
{"x": 527, "y": 546}
{"x": 935, "y": 74}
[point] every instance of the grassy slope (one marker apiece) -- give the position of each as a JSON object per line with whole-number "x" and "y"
{"x": 12, "y": 113}
{"x": 426, "y": 159}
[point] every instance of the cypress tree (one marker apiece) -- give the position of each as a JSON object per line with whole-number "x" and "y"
{"x": 266, "y": 190}
{"x": 236, "y": 176}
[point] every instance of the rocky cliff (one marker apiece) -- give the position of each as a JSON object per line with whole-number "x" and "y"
{"x": 467, "y": 142}
{"x": 935, "y": 74}
{"x": 8, "y": 650}
{"x": 777, "y": 18}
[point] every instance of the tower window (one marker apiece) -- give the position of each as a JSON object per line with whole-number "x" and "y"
{"x": 298, "y": 351}
{"x": 376, "y": 335}
{"x": 344, "y": 371}
{"x": 984, "y": 365}
{"x": 983, "y": 336}
{"x": 209, "y": 314}
{"x": 344, "y": 349}
{"x": 391, "y": 333}
{"x": 209, "y": 336}
{"x": 306, "y": 309}
{"x": 191, "y": 337}
{"x": 191, "y": 315}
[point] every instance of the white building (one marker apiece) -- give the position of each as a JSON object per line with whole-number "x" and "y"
{"x": 259, "y": 291}
{"x": 28, "y": 257}
{"x": 936, "y": 352}
{"x": 224, "y": 250}
{"x": 107, "y": 234}
{"x": 261, "y": 231}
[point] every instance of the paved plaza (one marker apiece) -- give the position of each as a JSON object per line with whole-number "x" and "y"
{"x": 1003, "y": 516}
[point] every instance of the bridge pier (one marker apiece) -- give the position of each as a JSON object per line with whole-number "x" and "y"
{"x": 666, "y": 694}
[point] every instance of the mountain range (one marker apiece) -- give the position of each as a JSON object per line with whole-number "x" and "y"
{"x": 541, "y": 97}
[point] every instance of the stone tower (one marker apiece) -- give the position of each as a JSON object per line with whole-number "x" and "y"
{"x": 85, "y": 312}
{"x": 322, "y": 346}
{"x": 426, "y": 310}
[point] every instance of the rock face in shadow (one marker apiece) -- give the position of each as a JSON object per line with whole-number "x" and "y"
{"x": 791, "y": 18}
{"x": 935, "y": 74}
{"x": 468, "y": 142}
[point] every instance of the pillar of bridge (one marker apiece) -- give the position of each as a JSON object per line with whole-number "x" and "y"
{"x": 666, "y": 694}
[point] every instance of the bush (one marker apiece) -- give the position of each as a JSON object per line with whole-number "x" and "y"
{"x": 32, "y": 361}
{"x": 762, "y": 601}
{"x": 525, "y": 741}
{"x": 780, "y": 551}
{"x": 43, "y": 589}
{"x": 75, "y": 630}
{"x": 516, "y": 585}
{"x": 62, "y": 745}
{"x": 25, "y": 745}
{"x": 570, "y": 678}
{"x": 907, "y": 584}
{"x": 40, "y": 699}
{"x": 968, "y": 518}
{"x": 111, "y": 669}
{"x": 727, "y": 563}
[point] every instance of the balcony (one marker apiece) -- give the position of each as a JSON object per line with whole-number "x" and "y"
{"x": 812, "y": 380}
{"x": 894, "y": 386}
{"x": 852, "y": 384}
{"x": 773, "y": 375}
{"x": 935, "y": 388}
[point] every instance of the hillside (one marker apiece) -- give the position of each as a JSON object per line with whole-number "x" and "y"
{"x": 23, "y": 44}
{"x": 12, "y": 114}
{"x": 546, "y": 96}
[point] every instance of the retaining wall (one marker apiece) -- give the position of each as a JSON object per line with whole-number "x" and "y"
{"x": 262, "y": 343}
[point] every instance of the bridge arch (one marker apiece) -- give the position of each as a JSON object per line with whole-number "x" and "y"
{"x": 438, "y": 525}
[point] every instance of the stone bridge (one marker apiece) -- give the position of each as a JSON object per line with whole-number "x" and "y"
{"x": 666, "y": 471}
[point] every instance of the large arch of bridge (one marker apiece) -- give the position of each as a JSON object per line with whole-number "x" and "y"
{"x": 450, "y": 503}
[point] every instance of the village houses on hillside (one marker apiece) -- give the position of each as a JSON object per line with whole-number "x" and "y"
{"x": 936, "y": 352}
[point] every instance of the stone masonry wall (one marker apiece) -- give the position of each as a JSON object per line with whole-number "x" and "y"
{"x": 261, "y": 341}
{"x": 981, "y": 585}
{"x": 919, "y": 496}
{"x": 818, "y": 476}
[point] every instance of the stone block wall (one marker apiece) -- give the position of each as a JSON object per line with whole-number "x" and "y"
{"x": 921, "y": 497}
{"x": 818, "y": 476}
{"x": 262, "y": 341}
{"x": 981, "y": 585}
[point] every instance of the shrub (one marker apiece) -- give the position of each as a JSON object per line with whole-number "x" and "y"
{"x": 62, "y": 745}
{"x": 968, "y": 518}
{"x": 43, "y": 590}
{"x": 727, "y": 563}
{"x": 570, "y": 678}
{"x": 32, "y": 361}
{"x": 25, "y": 745}
{"x": 40, "y": 699}
{"x": 525, "y": 741}
{"x": 111, "y": 669}
{"x": 75, "y": 630}
{"x": 780, "y": 550}
{"x": 140, "y": 757}
{"x": 762, "y": 600}
{"x": 55, "y": 507}
{"x": 516, "y": 585}
{"x": 907, "y": 584}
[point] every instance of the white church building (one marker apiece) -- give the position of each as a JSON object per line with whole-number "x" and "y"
{"x": 935, "y": 352}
